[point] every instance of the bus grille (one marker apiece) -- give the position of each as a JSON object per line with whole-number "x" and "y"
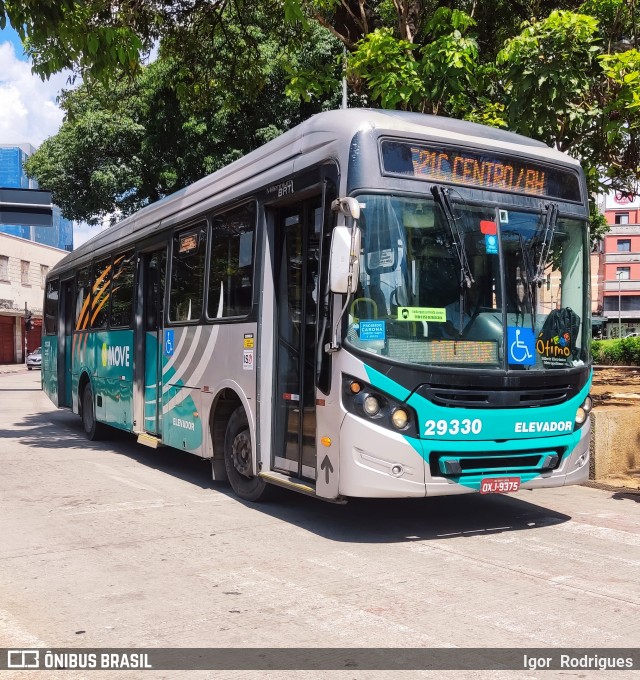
{"x": 481, "y": 397}
{"x": 447, "y": 464}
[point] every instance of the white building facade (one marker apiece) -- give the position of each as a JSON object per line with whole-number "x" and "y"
{"x": 23, "y": 270}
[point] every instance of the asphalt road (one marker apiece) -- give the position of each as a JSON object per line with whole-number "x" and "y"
{"x": 112, "y": 544}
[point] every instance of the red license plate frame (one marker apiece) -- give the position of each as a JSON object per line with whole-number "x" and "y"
{"x": 500, "y": 485}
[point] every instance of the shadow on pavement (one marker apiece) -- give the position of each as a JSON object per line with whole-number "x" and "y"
{"x": 627, "y": 496}
{"x": 359, "y": 521}
{"x": 407, "y": 520}
{"x": 63, "y": 430}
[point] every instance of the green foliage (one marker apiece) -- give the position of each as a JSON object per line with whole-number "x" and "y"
{"x": 598, "y": 225}
{"x": 135, "y": 140}
{"x": 624, "y": 352}
{"x": 388, "y": 67}
{"x": 96, "y": 39}
{"x": 566, "y": 73}
{"x": 551, "y": 65}
{"x": 434, "y": 78}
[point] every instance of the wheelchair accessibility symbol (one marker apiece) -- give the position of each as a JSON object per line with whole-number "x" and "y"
{"x": 168, "y": 342}
{"x": 521, "y": 343}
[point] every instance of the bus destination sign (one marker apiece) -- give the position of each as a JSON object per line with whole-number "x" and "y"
{"x": 478, "y": 169}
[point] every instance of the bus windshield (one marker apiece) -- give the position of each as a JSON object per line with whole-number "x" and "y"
{"x": 444, "y": 282}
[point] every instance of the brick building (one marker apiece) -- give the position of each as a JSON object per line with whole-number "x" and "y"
{"x": 23, "y": 268}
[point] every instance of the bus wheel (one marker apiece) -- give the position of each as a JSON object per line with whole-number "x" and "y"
{"x": 237, "y": 459}
{"x": 91, "y": 428}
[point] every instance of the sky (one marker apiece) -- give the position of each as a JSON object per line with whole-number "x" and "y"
{"x": 29, "y": 112}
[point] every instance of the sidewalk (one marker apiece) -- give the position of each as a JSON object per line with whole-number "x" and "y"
{"x": 12, "y": 368}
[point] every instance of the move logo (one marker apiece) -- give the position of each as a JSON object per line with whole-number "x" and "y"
{"x": 116, "y": 356}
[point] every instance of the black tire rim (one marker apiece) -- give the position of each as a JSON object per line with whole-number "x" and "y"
{"x": 241, "y": 453}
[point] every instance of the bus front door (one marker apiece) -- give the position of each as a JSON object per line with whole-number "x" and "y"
{"x": 299, "y": 229}
{"x": 153, "y": 266}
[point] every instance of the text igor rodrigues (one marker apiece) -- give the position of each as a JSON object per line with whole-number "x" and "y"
{"x": 594, "y": 661}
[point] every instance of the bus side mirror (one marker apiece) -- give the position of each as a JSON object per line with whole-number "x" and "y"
{"x": 344, "y": 268}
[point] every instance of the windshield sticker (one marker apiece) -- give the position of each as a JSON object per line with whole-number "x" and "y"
{"x": 491, "y": 244}
{"x": 438, "y": 314}
{"x": 381, "y": 258}
{"x": 488, "y": 227}
{"x": 504, "y": 216}
{"x": 556, "y": 340}
{"x": 373, "y": 330}
{"x": 521, "y": 342}
{"x": 554, "y": 351}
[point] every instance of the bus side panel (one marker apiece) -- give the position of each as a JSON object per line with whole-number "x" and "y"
{"x": 182, "y": 425}
{"x": 214, "y": 357}
{"x": 49, "y": 375}
{"x": 111, "y": 365}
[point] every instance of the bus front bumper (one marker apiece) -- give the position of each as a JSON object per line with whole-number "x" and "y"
{"x": 401, "y": 467}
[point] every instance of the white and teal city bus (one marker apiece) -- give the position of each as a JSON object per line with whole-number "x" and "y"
{"x": 374, "y": 304}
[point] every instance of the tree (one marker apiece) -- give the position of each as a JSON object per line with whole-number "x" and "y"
{"x": 563, "y": 72}
{"x": 570, "y": 79}
{"x": 580, "y": 99}
{"x": 133, "y": 141}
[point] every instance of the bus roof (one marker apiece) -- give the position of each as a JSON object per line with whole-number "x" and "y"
{"x": 321, "y": 130}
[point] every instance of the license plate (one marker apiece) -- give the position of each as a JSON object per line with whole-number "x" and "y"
{"x": 500, "y": 485}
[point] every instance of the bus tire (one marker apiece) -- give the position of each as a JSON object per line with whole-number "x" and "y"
{"x": 92, "y": 429}
{"x": 237, "y": 459}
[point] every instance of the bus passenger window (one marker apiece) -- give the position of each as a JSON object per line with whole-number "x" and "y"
{"x": 83, "y": 297}
{"x": 122, "y": 290}
{"x": 101, "y": 292}
{"x": 231, "y": 265}
{"x": 187, "y": 274}
{"x": 51, "y": 308}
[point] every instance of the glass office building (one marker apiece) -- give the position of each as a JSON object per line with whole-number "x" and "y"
{"x": 13, "y": 176}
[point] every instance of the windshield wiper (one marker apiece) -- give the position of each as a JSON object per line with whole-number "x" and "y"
{"x": 548, "y": 229}
{"x": 441, "y": 197}
{"x": 529, "y": 280}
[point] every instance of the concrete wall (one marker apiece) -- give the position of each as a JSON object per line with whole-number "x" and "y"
{"x": 615, "y": 444}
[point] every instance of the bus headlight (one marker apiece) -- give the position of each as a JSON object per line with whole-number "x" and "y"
{"x": 368, "y": 402}
{"x": 400, "y": 418}
{"x": 371, "y": 405}
{"x": 583, "y": 411}
{"x": 581, "y": 415}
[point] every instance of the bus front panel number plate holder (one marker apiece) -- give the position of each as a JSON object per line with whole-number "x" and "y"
{"x": 500, "y": 485}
